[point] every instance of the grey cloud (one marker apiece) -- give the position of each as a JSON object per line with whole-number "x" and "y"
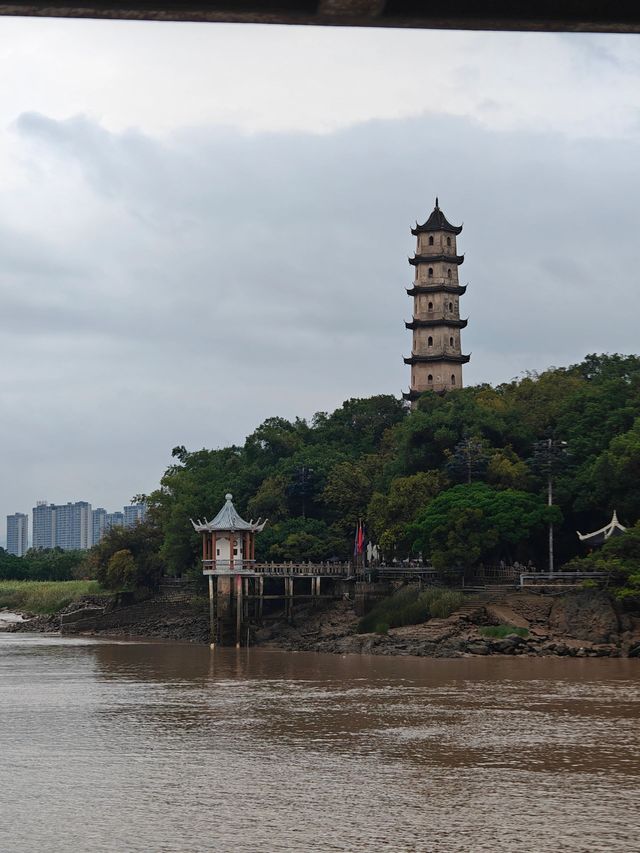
{"x": 222, "y": 277}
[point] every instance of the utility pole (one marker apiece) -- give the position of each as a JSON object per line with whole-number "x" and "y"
{"x": 547, "y": 454}
{"x": 301, "y": 485}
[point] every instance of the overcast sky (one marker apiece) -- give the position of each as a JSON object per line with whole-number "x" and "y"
{"x": 205, "y": 225}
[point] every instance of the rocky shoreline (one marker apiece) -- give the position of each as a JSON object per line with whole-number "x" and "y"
{"x": 579, "y": 624}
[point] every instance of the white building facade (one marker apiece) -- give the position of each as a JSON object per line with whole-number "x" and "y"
{"x": 18, "y": 534}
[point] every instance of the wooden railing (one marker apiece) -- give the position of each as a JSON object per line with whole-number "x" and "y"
{"x": 559, "y": 578}
{"x": 285, "y": 569}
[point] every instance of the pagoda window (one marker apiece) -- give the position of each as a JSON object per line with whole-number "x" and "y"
{"x": 448, "y": 273}
{"x": 431, "y": 240}
{"x": 448, "y": 241}
{"x": 453, "y": 379}
{"x": 451, "y": 306}
{"x": 430, "y": 379}
{"x": 429, "y": 341}
{"x": 430, "y": 272}
{"x": 430, "y": 306}
{"x": 450, "y": 342}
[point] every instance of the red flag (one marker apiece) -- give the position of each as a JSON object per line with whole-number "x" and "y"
{"x": 360, "y": 537}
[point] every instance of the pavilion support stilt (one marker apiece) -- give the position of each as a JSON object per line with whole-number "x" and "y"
{"x": 239, "y": 609}
{"x": 260, "y": 582}
{"x": 288, "y": 588}
{"x": 212, "y": 615}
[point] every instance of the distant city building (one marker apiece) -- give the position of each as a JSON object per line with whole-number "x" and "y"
{"x": 68, "y": 526}
{"x": 44, "y": 525}
{"x": 98, "y": 523}
{"x": 74, "y": 527}
{"x": 18, "y": 533}
{"x": 134, "y": 514}
{"x": 114, "y": 519}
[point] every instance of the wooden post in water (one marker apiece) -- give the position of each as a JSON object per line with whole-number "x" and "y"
{"x": 260, "y": 596}
{"x": 291, "y": 587}
{"x": 212, "y": 622}
{"x": 239, "y": 606}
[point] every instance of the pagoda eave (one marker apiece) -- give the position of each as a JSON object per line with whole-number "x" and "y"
{"x": 429, "y": 324}
{"x": 436, "y": 288}
{"x": 423, "y": 229}
{"x": 437, "y": 221}
{"x": 424, "y": 259}
{"x": 448, "y": 358}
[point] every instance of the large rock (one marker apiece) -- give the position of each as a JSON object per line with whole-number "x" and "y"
{"x": 586, "y": 615}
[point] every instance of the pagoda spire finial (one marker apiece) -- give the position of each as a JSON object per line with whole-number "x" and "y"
{"x": 437, "y": 205}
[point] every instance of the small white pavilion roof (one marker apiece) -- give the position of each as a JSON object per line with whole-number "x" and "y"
{"x": 614, "y": 528}
{"x": 228, "y": 520}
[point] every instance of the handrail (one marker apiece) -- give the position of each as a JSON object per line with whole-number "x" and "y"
{"x": 277, "y": 569}
{"x": 559, "y": 577}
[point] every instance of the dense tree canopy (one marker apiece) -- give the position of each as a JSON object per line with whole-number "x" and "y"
{"x": 474, "y": 522}
{"x": 51, "y": 564}
{"x": 455, "y": 479}
{"x": 374, "y": 460}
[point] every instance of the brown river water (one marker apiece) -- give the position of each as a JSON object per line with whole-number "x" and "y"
{"x": 108, "y": 746}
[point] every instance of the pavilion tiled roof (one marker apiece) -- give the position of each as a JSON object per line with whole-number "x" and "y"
{"x": 599, "y": 537}
{"x": 228, "y": 520}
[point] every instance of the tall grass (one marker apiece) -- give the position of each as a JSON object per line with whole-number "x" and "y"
{"x": 44, "y": 596}
{"x": 409, "y": 606}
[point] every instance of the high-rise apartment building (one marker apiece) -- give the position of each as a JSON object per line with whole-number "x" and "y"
{"x": 75, "y": 526}
{"x": 99, "y": 521}
{"x": 18, "y": 533}
{"x": 44, "y": 525}
{"x": 68, "y": 526}
{"x": 114, "y": 519}
{"x": 134, "y": 514}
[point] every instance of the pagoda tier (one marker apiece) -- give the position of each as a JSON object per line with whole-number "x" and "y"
{"x": 427, "y": 259}
{"x": 442, "y": 356}
{"x": 436, "y": 222}
{"x": 452, "y": 322}
{"x": 436, "y": 288}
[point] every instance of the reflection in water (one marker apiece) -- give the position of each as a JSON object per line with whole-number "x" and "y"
{"x": 142, "y": 747}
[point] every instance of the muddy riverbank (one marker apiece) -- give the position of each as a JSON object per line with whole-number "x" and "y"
{"x": 578, "y": 624}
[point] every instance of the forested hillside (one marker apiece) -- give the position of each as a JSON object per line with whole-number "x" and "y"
{"x": 456, "y": 480}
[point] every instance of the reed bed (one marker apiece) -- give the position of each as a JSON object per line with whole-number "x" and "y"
{"x": 410, "y": 606}
{"x": 44, "y": 596}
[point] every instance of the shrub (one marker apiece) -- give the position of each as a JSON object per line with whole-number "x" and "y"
{"x": 121, "y": 570}
{"x": 502, "y": 631}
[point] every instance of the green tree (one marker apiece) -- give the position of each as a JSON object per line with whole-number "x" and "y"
{"x": 389, "y": 515}
{"x": 469, "y": 523}
{"x": 270, "y": 501}
{"x": 121, "y": 570}
{"x": 143, "y": 542}
{"x": 468, "y": 459}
